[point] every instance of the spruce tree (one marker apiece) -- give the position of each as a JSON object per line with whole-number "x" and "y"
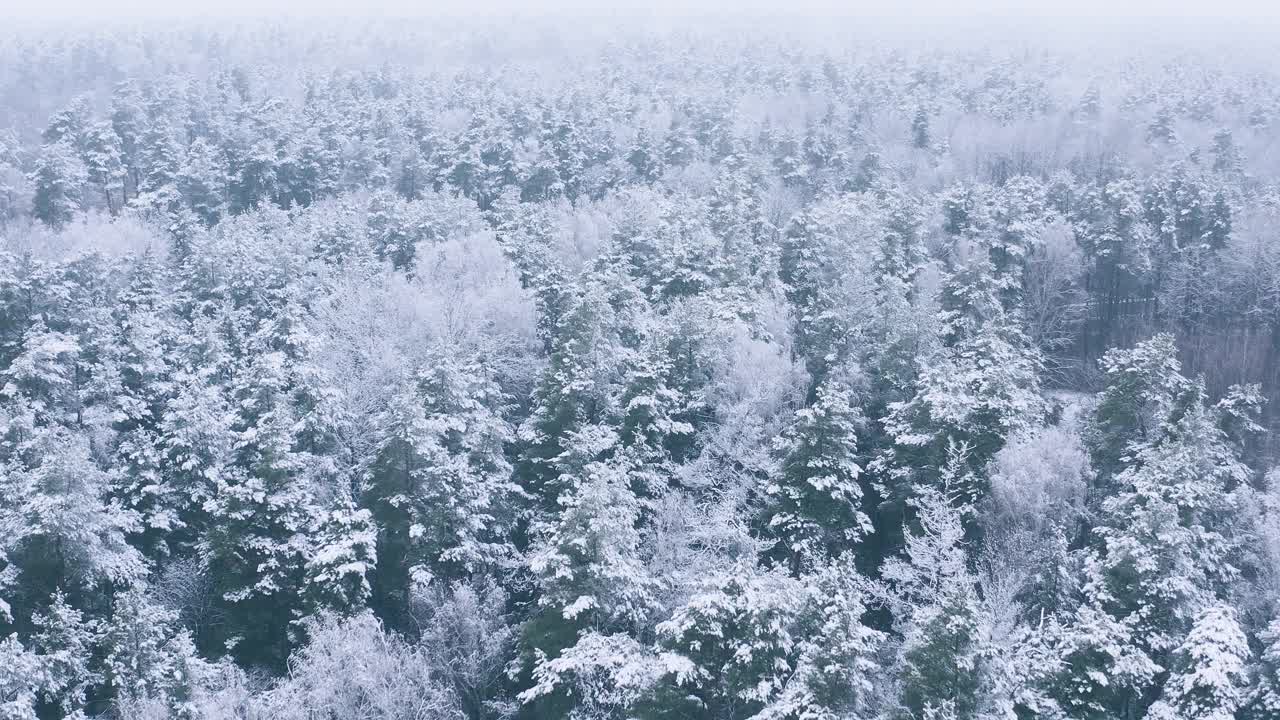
{"x": 440, "y": 487}
{"x": 816, "y": 508}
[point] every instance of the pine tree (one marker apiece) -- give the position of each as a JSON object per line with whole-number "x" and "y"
{"x": 1089, "y": 108}
{"x": 897, "y": 331}
{"x": 588, "y": 565}
{"x": 160, "y": 159}
{"x": 1142, "y": 385}
{"x": 680, "y": 147}
{"x": 64, "y": 641}
{"x": 766, "y": 645}
{"x": 58, "y": 180}
{"x": 52, "y": 675}
{"x": 736, "y": 641}
{"x": 45, "y": 376}
{"x": 662, "y": 403}
{"x": 920, "y": 129}
{"x": 1165, "y": 548}
{"x": 196, "y": 440}
{"x": 202, "y": 181}
{"x": 837, "y": 668}
{"x": 934, "y": 600}
{"x": 736, "y": 214}
{"x": 128, "y": 119}
{"x": 60, "y": 529}
{"x": 526, "y": 234}
{"x": 342, "y": 559}
{"x": 256, "y": 545}
{"x": 13, "y": 182}
{"x": 588, "y": 561}
{"x": 391, "y": 230}
{"x": 440, "y": 487}
{"x": 1226, "y": 156}
{"x": 149, "y": 657}
{"x": 70, "y": 124}
{"x": 1099, "y": 663}
{"x": 974, "y": 390}
{"x": 832, "y": 306}
{"x": 645, "y": 158}
{"x": 580, "y": 387}
{"x": 816, "y": 510}
{"x": 667, "y": 249}
{"x": 1207, "y": 675}
{"x": 143, "y": 371}
{"x": 1160, "y": 130}
{"x": 20, "y": 680}
{"x": 1264, "y": 698}
{"x": 104, "y": 166}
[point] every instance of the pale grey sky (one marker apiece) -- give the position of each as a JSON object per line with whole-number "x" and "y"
{"x": 1099, "y": 10}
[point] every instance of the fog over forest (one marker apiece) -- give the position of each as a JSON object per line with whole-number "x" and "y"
{"x": 709, "y": 361}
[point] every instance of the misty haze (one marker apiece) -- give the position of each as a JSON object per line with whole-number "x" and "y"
{"x": 487, "y": 361}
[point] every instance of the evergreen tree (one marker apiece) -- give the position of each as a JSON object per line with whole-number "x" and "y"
{"x": 974, "y": 390}
{"x": 196, "y": 440}
{"x": 160, "y": 160}
{"x": 920, "y": 129}
{"x": 342, "y": 558}
{"x": 1264, "y": 696}
{"x": 588, "y": 566}
{"x": 128, "y": 119}
{"x": 645, "y": 158}
{"x": 202, "y": 181}
{"x": 837, "y": 669}
{"x": 580, "y": 387}
{"x": 70, "y": 124}
{"x": 440, "y": 488}
{"x": 1142, "y": 385}
{"x": 1165, "y": 549}
{"x": 64, "y": 641}
{"x": 57, "y": 180}
{"x": 103, "y": 164}
{"x": 140, "y": 363}
{"x": 52, "y": 676}
{"x": 60, "y": 529}
{"x": 934, "y": 600}
{"x": 738, "y": 642}
{"x": 20, "y": 678}
{"x": 831, "y": 306}
{"x": 736, "y": 214}
{"x": 255, "y": 548}
{"x": 149, "y": 657}
{"x": 816, "y": 510}
{"x": 1207, "y": 675}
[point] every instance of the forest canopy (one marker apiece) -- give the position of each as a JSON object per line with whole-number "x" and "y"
{"x": 457, "y": 370}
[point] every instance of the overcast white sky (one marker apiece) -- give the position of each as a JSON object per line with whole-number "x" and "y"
{"x": 1096, "y": 10}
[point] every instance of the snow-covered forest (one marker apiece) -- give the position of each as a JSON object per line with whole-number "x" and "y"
{"x": 484, "y": 370}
